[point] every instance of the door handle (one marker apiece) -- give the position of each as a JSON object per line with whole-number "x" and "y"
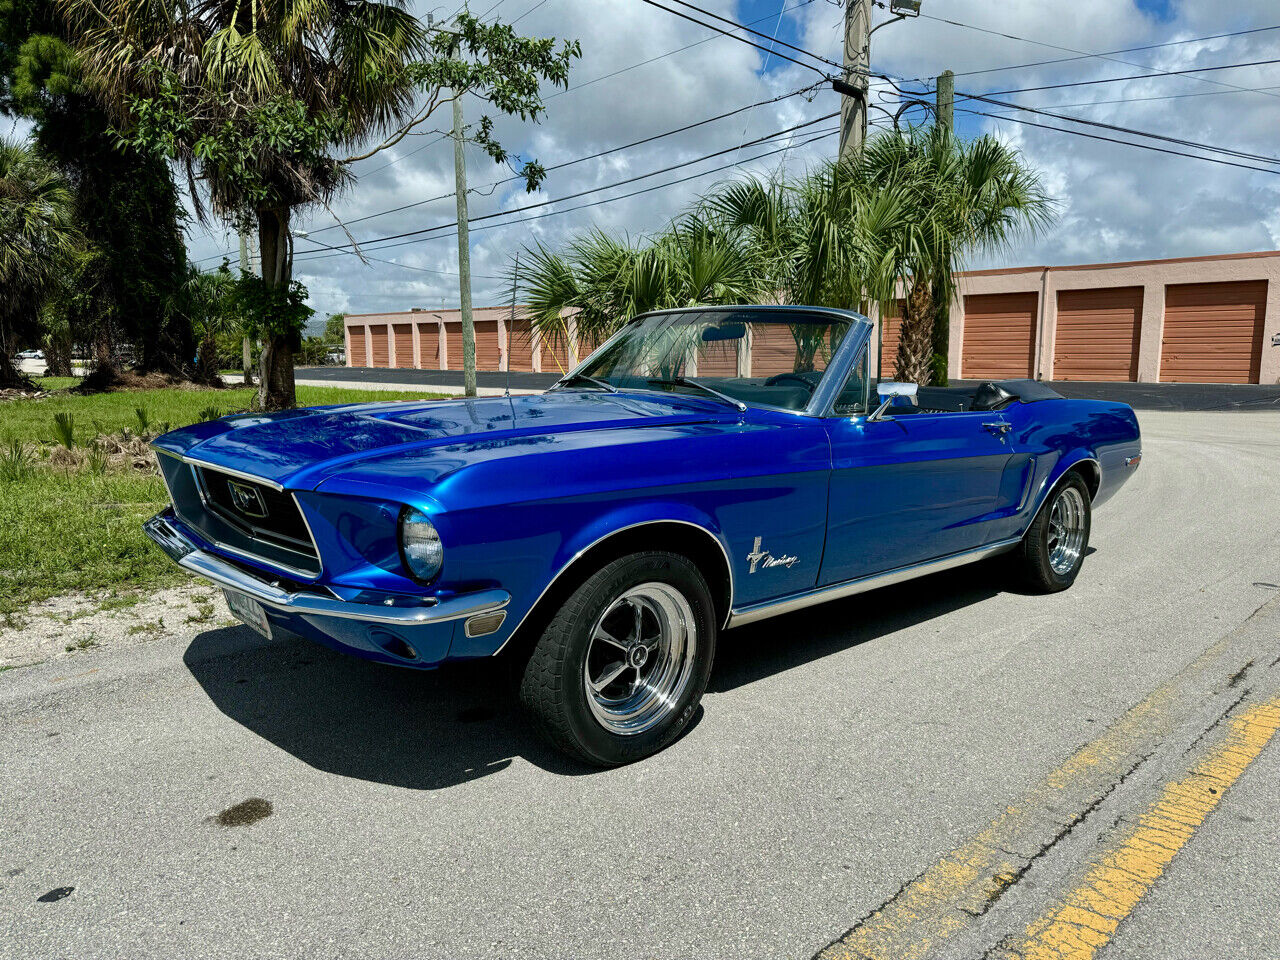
{"x": 998, "y": 427}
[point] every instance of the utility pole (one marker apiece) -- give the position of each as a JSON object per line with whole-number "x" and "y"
{"x": 944, "y": 99}
{"x": 857, "y": 63}
{"x": 247, "y": 352}
{"x": 464, "y": 251}
{"x": 940, "y": 338}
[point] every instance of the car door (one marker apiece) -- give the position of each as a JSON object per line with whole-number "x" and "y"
{"x": 911, "y": 488}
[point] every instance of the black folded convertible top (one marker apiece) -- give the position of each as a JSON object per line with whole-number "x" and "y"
{"x": 1029, "y": 391}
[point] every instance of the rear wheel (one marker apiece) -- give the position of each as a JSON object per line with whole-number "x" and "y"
{"x": 619, "y": 671}
{"x": 1051, "y": 553}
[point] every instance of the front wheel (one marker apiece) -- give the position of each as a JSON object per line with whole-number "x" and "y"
{"x": 1051, "y": 553}
{"x": 618, "y": 673}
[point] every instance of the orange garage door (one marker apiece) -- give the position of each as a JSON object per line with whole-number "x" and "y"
{"x": 1213, "y": 332}
{"x": 1097, "y": 334}
{"x": 404, "y": 344}
{"x": 356, "y": 356}
{"x": 520, "y": 345}
{"x": 486, "y": 344}
{"x": 891, "y": 330}
{"x": 999, "y": 336}
{"x": 381, "y": 350}
{"x": 429, "y": 346}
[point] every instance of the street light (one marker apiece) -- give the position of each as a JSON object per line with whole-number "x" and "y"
{"x": 905, "y": 8}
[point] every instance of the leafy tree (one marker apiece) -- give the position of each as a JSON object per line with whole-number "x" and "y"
{"x": 125, "y": 200}
{"x": 38, "y": 238}
{"x": 260, "y": 103}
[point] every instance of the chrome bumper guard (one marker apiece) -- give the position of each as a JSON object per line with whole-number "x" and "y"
{"x": 190, "y": 557}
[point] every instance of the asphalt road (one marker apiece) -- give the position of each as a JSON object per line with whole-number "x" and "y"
{"x": 941, "y": 769}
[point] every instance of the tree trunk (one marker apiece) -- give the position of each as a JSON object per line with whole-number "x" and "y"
{"x": 941, "y": 332}
{"x": 915, "y": 343}
{"x": 275, "y": 364}
{"x": 246, "y": 349}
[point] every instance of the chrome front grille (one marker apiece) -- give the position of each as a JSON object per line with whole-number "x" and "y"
{"x": 242, "y": 516}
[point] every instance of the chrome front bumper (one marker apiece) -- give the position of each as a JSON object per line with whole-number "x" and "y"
{"x": 187, "y": 555}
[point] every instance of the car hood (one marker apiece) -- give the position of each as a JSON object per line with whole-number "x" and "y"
{"x": 297, "y": 449}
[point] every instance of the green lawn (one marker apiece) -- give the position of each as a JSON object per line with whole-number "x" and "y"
{"x": 69, "y": 531}
{"x": 105, "y": 413}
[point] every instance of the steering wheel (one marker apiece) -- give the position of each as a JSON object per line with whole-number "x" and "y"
{"x": 800, "y": 378}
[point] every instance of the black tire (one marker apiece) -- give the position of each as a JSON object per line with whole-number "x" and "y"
{"x": 1033, "y": 560}
{"x": 553, "y": 687}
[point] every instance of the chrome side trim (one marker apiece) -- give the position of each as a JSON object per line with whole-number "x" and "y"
{"x": 190, "y": 557}
{"x": 837, "y": 591}
{"x": 613, "y": 533}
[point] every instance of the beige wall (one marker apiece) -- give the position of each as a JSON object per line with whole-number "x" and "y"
{"x": 1152, "y": 275}
{"x": 446, "y": 319}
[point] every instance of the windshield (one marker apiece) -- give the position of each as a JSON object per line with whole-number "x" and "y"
{"x": 756, "y": 357}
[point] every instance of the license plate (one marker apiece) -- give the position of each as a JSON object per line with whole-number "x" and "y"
{"x": 248, "y": 611}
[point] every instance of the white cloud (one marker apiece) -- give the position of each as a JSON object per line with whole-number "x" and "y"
{"x": 1117, "y": 202}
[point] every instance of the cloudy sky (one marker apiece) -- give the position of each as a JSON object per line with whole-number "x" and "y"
{"x": 644, "y": 72}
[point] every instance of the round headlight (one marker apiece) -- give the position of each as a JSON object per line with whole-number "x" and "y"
{"x": 420, "y": 544}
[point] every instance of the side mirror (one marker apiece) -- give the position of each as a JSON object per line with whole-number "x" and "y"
{"x": 889, "y": 391}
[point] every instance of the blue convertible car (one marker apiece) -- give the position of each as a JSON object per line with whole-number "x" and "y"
{"x": 704, "y": 468}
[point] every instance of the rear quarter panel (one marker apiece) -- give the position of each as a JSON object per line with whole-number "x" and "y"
{"x": 1049, "y": 437}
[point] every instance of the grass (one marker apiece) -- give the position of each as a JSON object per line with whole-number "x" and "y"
{"x": 75, "y": 531}
{"x": 33, "y": 420}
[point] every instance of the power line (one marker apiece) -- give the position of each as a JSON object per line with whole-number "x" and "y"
{"x": 593, "y": 156}
{"x": 596, "y": 203}
{"x": 750, "y": 43}
{"x": 1172, "y": 96}
{"x": 567, "y": 163}
{"x": 1140, "y": 76}
{"x": 762, "y": 36}
{"x": 1085, "y": 55}
{"x": 1127, "y": 143}
{"x": 662, "y": 56}
{"x": 1120, "y": 129}
{"x": 619, "y": 183}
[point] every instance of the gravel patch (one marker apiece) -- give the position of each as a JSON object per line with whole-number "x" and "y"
{"x": 77, "y": 624}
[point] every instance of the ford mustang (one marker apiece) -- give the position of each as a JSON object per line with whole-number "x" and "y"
{"x": 703, "y": 469}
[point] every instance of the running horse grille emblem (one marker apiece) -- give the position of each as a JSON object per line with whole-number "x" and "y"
{"x": 764, "y": 559}
{"x": 248, "y": 500}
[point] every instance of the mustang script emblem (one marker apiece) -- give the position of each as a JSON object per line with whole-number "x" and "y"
{"x": 765, "y": 559}
{"x": 247, "y": 499}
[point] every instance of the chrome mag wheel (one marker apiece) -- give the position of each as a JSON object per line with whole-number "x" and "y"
{"x": 640, "y": 658}
{"x": 1067, "y": 521}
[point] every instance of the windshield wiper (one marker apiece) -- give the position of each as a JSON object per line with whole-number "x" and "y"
{"x": 686, "y": 382}
{"x": 602, "y": 384}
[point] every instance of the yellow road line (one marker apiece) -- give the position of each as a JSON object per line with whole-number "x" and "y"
{"x": 965, "y": 883}
{"x": 1089, "y": 915}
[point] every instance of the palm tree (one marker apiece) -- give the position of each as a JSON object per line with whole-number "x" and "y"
{"x": 603, "y": 282}
{"x": 207, "y": 299}
{"x": 963, "y": 197}
{"x": 38, "y": 237}
{"x": 826, "y": 238}
{"x": 257, "y": 101}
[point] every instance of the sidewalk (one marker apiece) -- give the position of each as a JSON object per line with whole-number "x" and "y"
{"x": 488, "y": 383}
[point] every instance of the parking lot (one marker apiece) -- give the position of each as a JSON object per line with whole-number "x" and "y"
{"x": 948, "y": 768}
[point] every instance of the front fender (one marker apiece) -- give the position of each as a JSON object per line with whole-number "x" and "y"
{"x": 534, "y": 572}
